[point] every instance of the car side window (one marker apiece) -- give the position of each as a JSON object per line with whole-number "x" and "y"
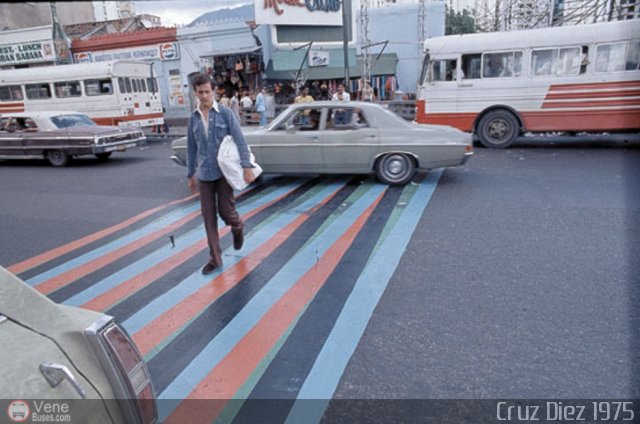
{"x": 303, "y": 120}
{"x": 340, "y": 119}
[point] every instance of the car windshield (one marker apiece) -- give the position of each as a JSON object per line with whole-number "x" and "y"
{"x": 66, "y": 121}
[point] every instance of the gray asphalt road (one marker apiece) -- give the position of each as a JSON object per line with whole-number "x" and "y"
{"x": 44, "y": 207}
{"x": 519, "y": 282}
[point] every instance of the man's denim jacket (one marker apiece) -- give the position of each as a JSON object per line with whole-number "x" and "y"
{"x": 202, "y": 152}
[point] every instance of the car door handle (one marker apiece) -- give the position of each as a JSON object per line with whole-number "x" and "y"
{"x": 55, "y": 373}
{"x": 369, "y": 136}
{"x": 314, "y": 138}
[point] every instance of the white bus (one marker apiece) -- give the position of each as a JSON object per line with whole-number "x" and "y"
{"x": 582, "y": 78}
{"x": 111, "y": 93}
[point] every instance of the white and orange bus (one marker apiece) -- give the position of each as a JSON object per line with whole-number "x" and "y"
{"x": 111, "y": 93}
{"x": 582, "y": 78}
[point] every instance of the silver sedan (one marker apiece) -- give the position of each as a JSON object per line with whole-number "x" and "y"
{"x": 350, "y": 138}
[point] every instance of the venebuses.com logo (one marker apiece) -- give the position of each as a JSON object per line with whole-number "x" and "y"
{"x": 18, "y": 411}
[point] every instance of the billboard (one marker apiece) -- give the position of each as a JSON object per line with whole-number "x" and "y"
{"x": 298, "y": 12}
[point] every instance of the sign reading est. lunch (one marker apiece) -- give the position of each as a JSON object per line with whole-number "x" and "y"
{"x": 38, "y": 51}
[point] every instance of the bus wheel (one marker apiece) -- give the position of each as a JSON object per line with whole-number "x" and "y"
{"x": 103, "y": 156}
{"x": 395, "y": 169}
{"x": 498, "y": 129}
{"x": 57, "y": 158}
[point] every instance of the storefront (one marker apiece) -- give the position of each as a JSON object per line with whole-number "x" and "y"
{"x": 229, "y": 50}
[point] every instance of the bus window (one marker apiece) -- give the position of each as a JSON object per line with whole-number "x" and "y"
{"x": 10, "y": 93}
{"x": 67, "y": 89}
{"x": 443, "y": 70}
{"x": 134, "y": 83}
{"x": 633, "y": 56}
{"x": 501, "y": 65}
{"x": 569, "y": 60}
{"x": 127, "y": 83}
{"x": 610, "y": 57}
{"x": 143, "y": 86}
{"x": 98, "y": 87}
{"x": 471, "y": 66}
{"x": 544, "y": 62}
{"x": 121, "y": 85}
{"x": 38, "y": 91}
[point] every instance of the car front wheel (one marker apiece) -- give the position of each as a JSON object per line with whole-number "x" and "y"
{"x": 395, "y": 169}
{"x": 58, "y": 158}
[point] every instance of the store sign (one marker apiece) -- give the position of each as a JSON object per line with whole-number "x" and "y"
{"x": 298, "y": 12}
{"x": 318, "y": 58}
{"x": 39, "y": 51}
{"x": 164, "y": 51}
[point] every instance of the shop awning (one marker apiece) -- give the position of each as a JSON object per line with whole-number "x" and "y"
{"x": 232, "y": 50}
{"x": 285, "y": 64}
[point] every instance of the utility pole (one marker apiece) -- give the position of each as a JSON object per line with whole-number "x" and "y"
{"x": 364, "y": 26}
{"x": 345, "y": 40}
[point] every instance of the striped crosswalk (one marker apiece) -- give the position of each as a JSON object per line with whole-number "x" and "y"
{"x": 280, "y": 319}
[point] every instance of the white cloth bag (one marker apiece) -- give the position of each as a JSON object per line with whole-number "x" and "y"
{"x": 229, "y": 162}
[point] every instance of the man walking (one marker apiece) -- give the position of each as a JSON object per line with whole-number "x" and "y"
{"x": 208, "y": 125}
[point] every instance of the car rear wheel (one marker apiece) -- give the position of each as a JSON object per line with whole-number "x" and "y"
{"x": 103, "y": 156}
{"x": 395, "y": 169}
{"x": 498, "y": 129}
{"x": 58, "y": 158}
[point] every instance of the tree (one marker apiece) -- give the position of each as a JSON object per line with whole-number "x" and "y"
{"x": 459, "y": 22}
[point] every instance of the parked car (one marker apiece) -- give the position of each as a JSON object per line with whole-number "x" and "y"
{"x": 59, "y": 136}
{"x": 350, "y": 138}
{"x": 59, "y": 355}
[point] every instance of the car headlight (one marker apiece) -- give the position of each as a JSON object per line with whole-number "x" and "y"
{"x": 125, "y": 369}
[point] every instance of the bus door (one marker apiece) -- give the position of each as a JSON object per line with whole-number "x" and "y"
{"x": 444, "y": 87}
{"x": 125, "y": 97}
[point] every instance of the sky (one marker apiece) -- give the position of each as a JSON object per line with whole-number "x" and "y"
{"x": 182, "y": 12}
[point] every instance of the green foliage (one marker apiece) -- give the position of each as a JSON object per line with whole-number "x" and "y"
{"x": 459, "y": 22}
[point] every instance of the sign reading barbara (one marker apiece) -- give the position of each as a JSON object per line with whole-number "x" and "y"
{"x": 164, "y": 51}
{"x": 39, "y": 51}
{"x": 298, "y": 12}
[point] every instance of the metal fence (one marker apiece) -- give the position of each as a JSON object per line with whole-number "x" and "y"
{"x": 404, "y": 108}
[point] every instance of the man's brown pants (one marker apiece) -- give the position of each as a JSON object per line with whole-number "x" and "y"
{"x": 217, "y": 196}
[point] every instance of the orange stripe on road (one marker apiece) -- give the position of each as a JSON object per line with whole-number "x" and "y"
{"x": 131, "y": 286}
{"x": 233, "y": 371}
{"x": 106, "y": 300}
{"x": 171, "y": 321}
{"x": 59, "y": 251}
{"x": 65, "y": 278}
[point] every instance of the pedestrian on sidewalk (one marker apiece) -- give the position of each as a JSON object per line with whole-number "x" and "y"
{"x": 208, "y": 125}
{"x": 261, "y": 106}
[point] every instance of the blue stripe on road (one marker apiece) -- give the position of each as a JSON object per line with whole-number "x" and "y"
{"x": 158, "y": 224}
{"x": 196, "y": 280}
{"x": 255, "y": 309}
{"x": 330, "y": 364}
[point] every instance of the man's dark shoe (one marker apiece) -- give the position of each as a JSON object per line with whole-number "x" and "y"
{"x": 208, "y": 269}
{"x": 238, "y": 239}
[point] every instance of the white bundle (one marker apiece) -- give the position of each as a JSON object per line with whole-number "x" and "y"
{"x": 229, "y": 162}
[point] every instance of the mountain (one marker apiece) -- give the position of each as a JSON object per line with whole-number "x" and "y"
{"x": 244, "y": 12}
